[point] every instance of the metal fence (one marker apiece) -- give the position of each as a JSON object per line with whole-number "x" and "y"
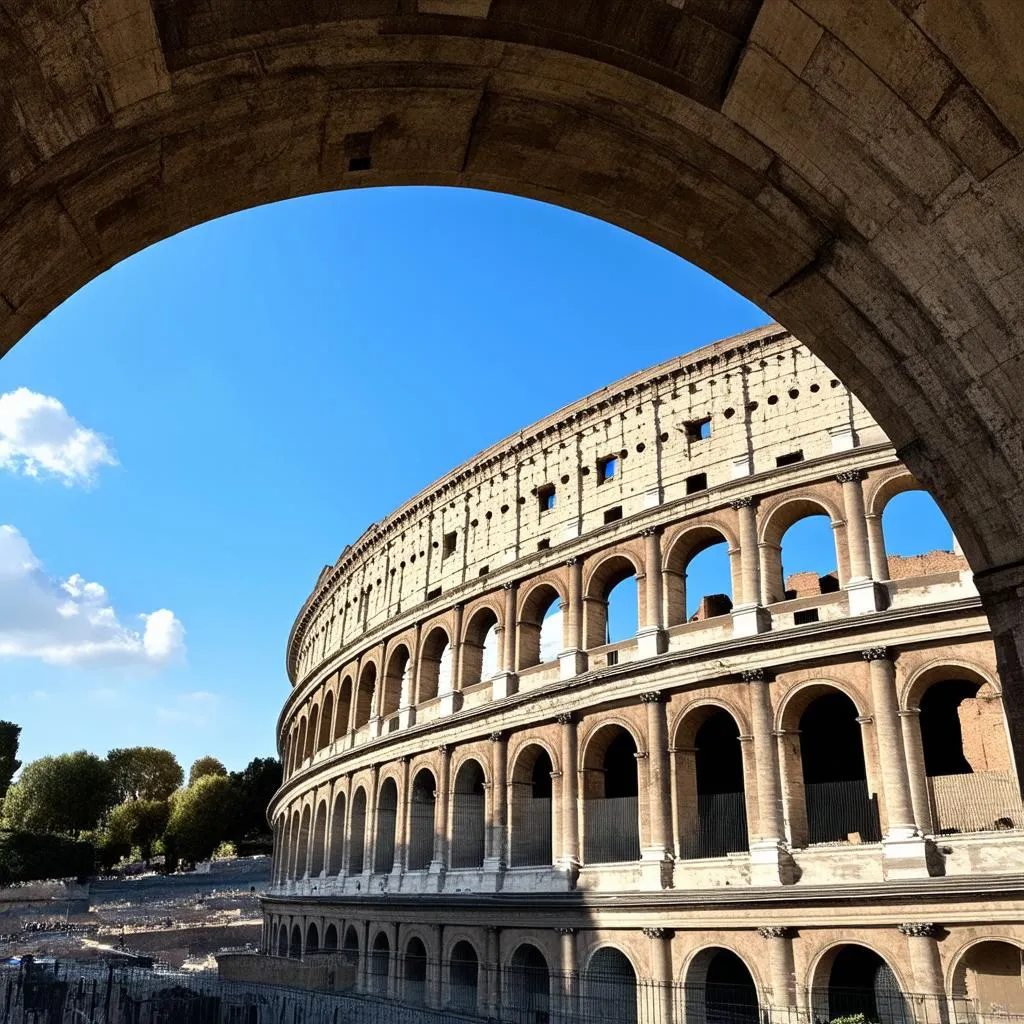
{"x": 384, "y": 854}
{"x": 721, "y": 827}
{"x": 980, "y": 802}
{"x": 467, "y": 830}
{"x": 531, "y": 831}
{"x": 421, "y": 834}
{"x": 837, "y": 809}
{"x": 611, "y": 830}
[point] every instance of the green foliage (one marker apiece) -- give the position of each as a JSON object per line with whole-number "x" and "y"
{"x": 25, "y": 856}
{"x": 135, "y": 823}
{"x": 68, "y": 793}
{"x": 9, "y": 763}
{"x": 853, "y": 1018}
{"x": 205, "y": 766}
{"x": 225, "y": 851}
{"x": 144, "y": 773}
{"x": 255, "y": 784}
{"x": 200, "y": 818}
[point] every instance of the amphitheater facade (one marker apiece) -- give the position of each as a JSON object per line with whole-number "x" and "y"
{"x": 800, "y": 796}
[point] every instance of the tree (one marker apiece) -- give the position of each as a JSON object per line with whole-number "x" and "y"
{"x": 9, "y": 763}
{"x": 144, "y": 773}
{"x": 135, "y": 823}
{"x": 68, "y": 794}
{"x": 201, "y": 817}
{"x": 205, "y": 766}
{"x": 256, "y": 784}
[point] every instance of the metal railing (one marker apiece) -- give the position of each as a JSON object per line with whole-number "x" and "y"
{"x": 835, "y": 810}
{"x": 530, "y": 839}
{"x": 468, "y": 826}
{"x": 979, "y": 802}
{"x": 421, "y": 834}
{"x": 611, "y": 830}
{"x": 721, "y": 827}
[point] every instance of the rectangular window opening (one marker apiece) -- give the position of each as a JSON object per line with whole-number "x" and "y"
{"x": 697, "y": 482}
{"x": 612, "y": 515}
{"x": 543, "y": 545}
{"x": 546, "y": 497}
{"x": 613, "y": 658}
{"x": 698, "y": 430}
{"x": 431, "y": 594}
{"x": 449, "y": 544}
{"x": 790, "y": 458}
{"x": 804, "y": 616}
{"x": 359, "y": 163}
{"x": 484, "y": 570}
{"x": 607, "y": 468}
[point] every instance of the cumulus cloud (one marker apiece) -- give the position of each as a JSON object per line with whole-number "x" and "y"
{"x": 71, "y": 621}
{"x": 39, "y": 438}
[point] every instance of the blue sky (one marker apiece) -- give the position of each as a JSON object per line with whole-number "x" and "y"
{"x": 251, "y": 394}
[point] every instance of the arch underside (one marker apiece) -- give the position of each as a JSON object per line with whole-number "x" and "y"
{"x": 860, "y": 179}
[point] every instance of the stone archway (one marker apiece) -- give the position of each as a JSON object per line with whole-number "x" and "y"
{"x": 860, "y": 179}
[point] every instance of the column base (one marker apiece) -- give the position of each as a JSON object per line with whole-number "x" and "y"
{"x": 571, "y": 663}
{"x": 904, "y": 856}
{"x": 373, "y": 727}
{"x": 750, "y": 619}
{"x": 651, "y": 641}
{"x": 771, "y": 863}
{"x": 504, "y": 684}
{"x": 570, "y": 871}
{"x": 657, "y": 868}
{"x": 494, "y": 871}
{"x": 449, "y": 703}
{"x": 406, "y": 717}
{"x": 866, "y": 596}
{"x": 435, "y": 876}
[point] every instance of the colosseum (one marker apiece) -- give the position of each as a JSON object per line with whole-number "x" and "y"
{"x": 794, "y": 798}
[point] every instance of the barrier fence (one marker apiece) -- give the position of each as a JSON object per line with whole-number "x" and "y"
{"x": 459, "y": 992}
{"x": 979, "y": 802}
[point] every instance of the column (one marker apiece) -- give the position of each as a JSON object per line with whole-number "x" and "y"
{"x": 661, "y": 974}
{"x": 504, "y": 683}
{"x": 492, "y": 974}
{"x": 863, "y": 595}
{"x": 910, "y": 723}
{"x": 769, "y": 861}
{"x": 394, "y": 982}
{"x": 362, "y": 977}
{"x": 651, "y": 635}
{"x": 568, "y": 970}
{"x": 495, "y": 859}
{"x": 927, "y": 968}
{"x": 573, "y": 660}
{"x": 748, "y": 616}
{"x": 781, "y": 969}
{"x": 435, "y": 973}
{"x": 440, "y": 860}
{"x": 876, "y": 547}
{"x": 370, "y": 838}
{"x": 450, "y": 703}
{"x": 402, "y": 825}
{"x": 569, "y": 858}
{"x": 660, "y": 840}
{"x": 410, "y": 684}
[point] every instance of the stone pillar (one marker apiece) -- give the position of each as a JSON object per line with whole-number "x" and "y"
{"x": 927, "y": 968}
{"x": 863, "y": 594}
{"x": 660, "y": 1007}
{"x": 410, "y": 684}
{"x": 402, "y": 826}
{"x": 569, "y": 972}
{"x": 492, "y": 974}
{"x": 394, "y": 988}
{"x": 370, "y": 837}
{"x": 363, "y": 975}
{"x": 448, "y": 689}
{"x": 769, "y": 860}
{"x": 904, "y": 848}
{"x": 876, "y": 547}
{"x": 439, "y": 863}
{"x": 495, "y": 860}
{"x": 659, "y": 846}
{"x": 504, "y": 683}
{"x": 651, "y": 635}
{"x": 910, "y": 722}
{"x": 569, "y": 857}
{"x": 748, "y": 615}
{"x": 573, "y": 660}
{"x": 781, "y": 969}
{"x": 435, "y": 974}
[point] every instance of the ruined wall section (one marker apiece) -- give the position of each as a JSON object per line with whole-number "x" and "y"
{"x": 764, "y": 397}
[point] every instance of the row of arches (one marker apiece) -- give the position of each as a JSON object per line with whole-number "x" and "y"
{"x": 831, "y": 786}
{"x": 700, "y": 579}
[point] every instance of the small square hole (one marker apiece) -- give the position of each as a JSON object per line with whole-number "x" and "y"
{"x": 431, "y": 594}
{"x": 613, "y": 658}
{"x": 484, "y": 570}
{"x": 697, "y": 482}
{"x": 804, "y": 616}
{"x": 790, "y": 458}
{"x": 449, "y": 544}
{"x": 543, "y": 545}
{"x": 607, "y": 468}
{"x": 546, "y": 497}
{"x": 359, "y": 163}
{"x": 613, "y": 515}
{"x": 698, "y": 430}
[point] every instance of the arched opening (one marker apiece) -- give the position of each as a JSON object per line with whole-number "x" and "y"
{"x": 611, "y": 606}
{"x": 343, "y": 715}
{"x": 396, "y": 682}
{"x": 337, "y": 857}
{"x": 316, "y": 853}
{"x": 302, "y": 861}
{"x": 942, "y": 734}
{"x": 293, "y": 847}
{"x": 314, "y": 718}
{"x": 529, "y": 986}
{"x": 350, "y": 948}
{"x": 609, "y": 992}
{"x": 365, "y": 695}
{"x": 463, "y": 976}
{"x": 312, "y": 939}
{"x": 531, "y": 837}
{"x": 698, "y": 577}
{"x": 357, "y": 833}
{"x": 387, "y": 818}
{"x": 916, "y": 538}
{"x": 330, "y": 939}
{"x": 720, "y": 989}
{"x": 435, "y": 655}
{"x": 479, "y": 656}
{"x": 414, "y": 972}
{"x": 282, "y": 941}
{"x": 280, "y": 848}
{"x": 300, "y": 751}
{"x": 326, "y": 721}
{"x": 800, "y": 554}
{"x": 988, "y": 983}
{"x": 540, "y": 635}
{"x": 611, "y": 807}
{"x": 295, "y": 948}
{"x": 422, "y": 802}
{"x": 711, "y": 794}
{"x": 468, "y": 817}
{"x": 377, "y": 965}
{"x": 859, "y": 981}
{"x": 834, "y": 776}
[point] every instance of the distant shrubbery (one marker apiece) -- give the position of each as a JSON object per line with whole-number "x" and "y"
{"x": 27, "y": 856}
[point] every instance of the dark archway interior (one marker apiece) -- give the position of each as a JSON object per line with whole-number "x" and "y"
{"x": 295, "y": 949}
{"x": 610, "y": 990}
{"x": 611, "y": 821}
{"x": 421, "y": 820}
{"x": 529, "y": 984}
{"x": 387, "y": 819}
{"x": 331, "y": 938}
{"x": 862, "y": 982}
{"x": 282, "y": 941}
{"x": 415, "y": 971}
{"x": 377, "y": 967}
{"x": 730, "y": 996}
{"x": 312, "y": 939}
{"x": 351, "y": 946}
{"x": 531, "y": 812}
{"x": 357, "y": 833}
{"x": 941, "y": 734}
{"x": 721, "y": 802}
{"x": 620, "y": 771}
{"x": 468, "y": 817}
{"x": 463, "y": 976}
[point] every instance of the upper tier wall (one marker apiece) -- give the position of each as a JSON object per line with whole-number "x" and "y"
{"x": 766, "y": 396}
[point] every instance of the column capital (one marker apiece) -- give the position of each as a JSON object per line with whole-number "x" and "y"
{"x": 659, "y": 933}
{"x": 574, "y": 560}
{"x": 497, "y": 737}
{"x": 650, "y": 531}
{"x": 566, "y": 931}
{"x": 879, "y": 653}
{"x": 919, "y": 929}
{"x": 748, "y": 502}
{"x": 850, "y": 476}
{"x": 864, "y": 719}
{"x": 641, "y": 755}
{"x": 757, "y": 675}
{"x": 775, "y": 931}
{"x": 566, "y": 718}
{"x": 652, "y": 697}
{"x": 510, "y": 585}
{"x": 444, "y": 748}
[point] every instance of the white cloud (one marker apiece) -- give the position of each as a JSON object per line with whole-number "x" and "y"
{"x": 38, "y": 437}
{"x": 71, "y": 622}
{"x": 551, "y": 637}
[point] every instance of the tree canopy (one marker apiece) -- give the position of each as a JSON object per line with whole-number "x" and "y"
{"x": 255, "y": 784}
{"x": 65, "y": 794}
{"x": 9, "y": 763}
{"x": 201, "y": 816}
{"x": 144, "y": 773}
{"x": 208, "y": 765}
